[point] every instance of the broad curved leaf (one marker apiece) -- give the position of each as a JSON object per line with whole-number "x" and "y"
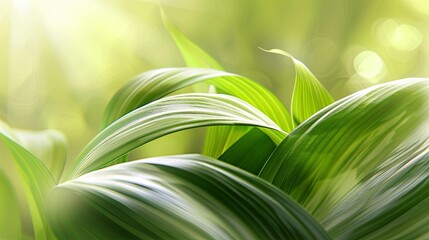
{"x": 37, "y": 182}
{"x": 309, "y": 95}
{"x": 50, "y": 146}
{"x": 158, "y": 83}
{"x": 220, "y": 138}
{"x": 165, "y": 116}
{"x": 360, "y": 165}
{"x": 250, "y": 152}
{"x": 10, "y": 222}
{"x": 176, "y": 197}
{"x": 390, "y": 204}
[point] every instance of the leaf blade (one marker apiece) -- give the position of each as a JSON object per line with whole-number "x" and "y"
{"x": 309, "y": 95}
{"x": 178, "y": 197}
{"x": 220, "y": 138}
{"x": 363, "y": 139}
{"x": 37, "y": 182}
{"x": 165, "y": 116}
{"x": 250, "y": 152}
{"x": 50, "y": 146}
{"x": 156, "y": 84}
{"x": 193, "y": 55}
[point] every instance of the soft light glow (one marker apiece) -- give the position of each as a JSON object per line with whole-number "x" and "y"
{"x": 420, "y": 6}
{"x": 369, "y": 65}
{"x": 406, "y": 38}
{"x": 21, "y": 5}
{"x": 401, "y": 37}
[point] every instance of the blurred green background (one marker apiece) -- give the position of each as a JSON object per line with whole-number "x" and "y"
{"x": 62, "y": 60}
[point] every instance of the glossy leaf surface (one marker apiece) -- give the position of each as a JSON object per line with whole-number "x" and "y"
{"x": 176, "y": 197}
{"x": 360, "y": 165}
{"x": 309, "y": 95}
{"x": 165, "y": 116}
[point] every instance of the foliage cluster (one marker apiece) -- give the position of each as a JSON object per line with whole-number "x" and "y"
{"x": 348, "y": 169}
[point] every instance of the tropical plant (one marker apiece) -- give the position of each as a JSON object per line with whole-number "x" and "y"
{"x": 350, "y": 169}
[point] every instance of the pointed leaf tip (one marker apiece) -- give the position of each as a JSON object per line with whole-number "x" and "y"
{"x": 309, "y": 95}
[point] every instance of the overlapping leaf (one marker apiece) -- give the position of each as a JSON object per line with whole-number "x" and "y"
{"x": 391, "y": 203}
{"x": 250, "y": 152}
{"x": 309, "y": 95}
{"x": 158, "y": 83}
{"x": 361, "y": 164}
{"x": 220, "y": 138}
{"x": 176, "y": 197}
{"x": 35, "y": 174}
{"x": 216, "y": 140}
{"x": 37, "y": 182}
{"x": 165, "y": 116}
{"x": 47, "y": 145}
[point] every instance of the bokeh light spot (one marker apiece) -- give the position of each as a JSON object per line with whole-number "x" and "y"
{"x": 369, "y": 65}
{"x": 406, "y": 38}
{"x": 401, "y": 37}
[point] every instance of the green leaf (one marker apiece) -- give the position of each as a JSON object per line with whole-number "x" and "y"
{"x": 309, "y": 95}
{"x": 176, "y": 197}
{"x": 50, "y": 146}
{"x": 158, "y": 83}
{"x": 37, "y": 182}
{"x": 220, "y": 138}
{"x": 10, "y": 222}
{"x": 361, "y": 165}
{"x": 165, "y": 116}
{"x": 250, "y": 152}
{"x": 396, "y": 197}
{"x": 194, "y": 56}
